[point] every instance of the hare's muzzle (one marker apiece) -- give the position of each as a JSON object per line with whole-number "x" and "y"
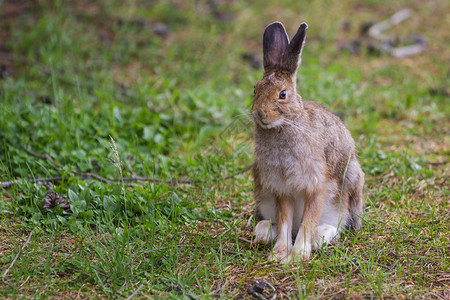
{"x": 258, "y": 115}
{"x": 266, "y": 121}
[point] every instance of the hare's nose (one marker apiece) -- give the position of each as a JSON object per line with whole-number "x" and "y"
{"x": 257, "y": 114}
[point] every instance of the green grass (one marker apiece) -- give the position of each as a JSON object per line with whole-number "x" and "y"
{"x": 93, "y": 86}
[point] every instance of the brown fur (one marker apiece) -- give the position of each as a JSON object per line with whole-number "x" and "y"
{"x": 305, "y": 158}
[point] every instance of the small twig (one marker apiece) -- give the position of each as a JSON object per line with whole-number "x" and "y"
{"x": 192, "y": 296}
{"x": 17, "y": 256}
{"x": 436, "y": 163}
{"x": 245, "y": 241}
{"x": 22, "y": 284}
{"x": 437, "y": 296}
{"x": 135, "y": 292}
{"x": 168, "y": 181}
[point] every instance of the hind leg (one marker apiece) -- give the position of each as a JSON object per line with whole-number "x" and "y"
{"x": 334, "y": 216}
{"x": 265, "y": 232}
{"x": 357, "y": 201}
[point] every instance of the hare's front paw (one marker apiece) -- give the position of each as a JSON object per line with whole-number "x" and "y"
{"x": 265, "y": 232}
{"x": 279, "y": 253}
{"x": 299, "y": 253}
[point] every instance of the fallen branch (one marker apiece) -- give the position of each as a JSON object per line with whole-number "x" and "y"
{"x": 87, "y": 175}
{"x": 8, "y": 184}
{"x": 377, "y": 29}
{"x": 375, "y": 39}
{"x": 18, "y": 253}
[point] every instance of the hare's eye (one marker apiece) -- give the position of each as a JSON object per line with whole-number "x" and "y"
{"x": 282, "y": 95}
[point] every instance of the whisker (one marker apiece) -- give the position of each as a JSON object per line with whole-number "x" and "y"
{"x": 307, "y": 131}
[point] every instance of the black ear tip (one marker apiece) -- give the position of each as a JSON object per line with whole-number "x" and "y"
{"x": 303, "y": 26}
{"x": 276, "y": 24}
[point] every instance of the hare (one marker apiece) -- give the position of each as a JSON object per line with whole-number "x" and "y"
{"x": 308, "y": 184}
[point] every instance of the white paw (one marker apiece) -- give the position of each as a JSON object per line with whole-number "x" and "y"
{"x": 300, "y": 252}
{"x": 325, "y": 234}
{"x": 279, "y": 253}
{"x": 265, "y": 232}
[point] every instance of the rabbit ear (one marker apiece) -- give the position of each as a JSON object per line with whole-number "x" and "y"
{"x": 293, "y": 55}
{"x": 275, "y": 42}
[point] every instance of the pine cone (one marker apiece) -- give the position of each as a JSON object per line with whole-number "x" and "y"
{"x": 53, "y": 199}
